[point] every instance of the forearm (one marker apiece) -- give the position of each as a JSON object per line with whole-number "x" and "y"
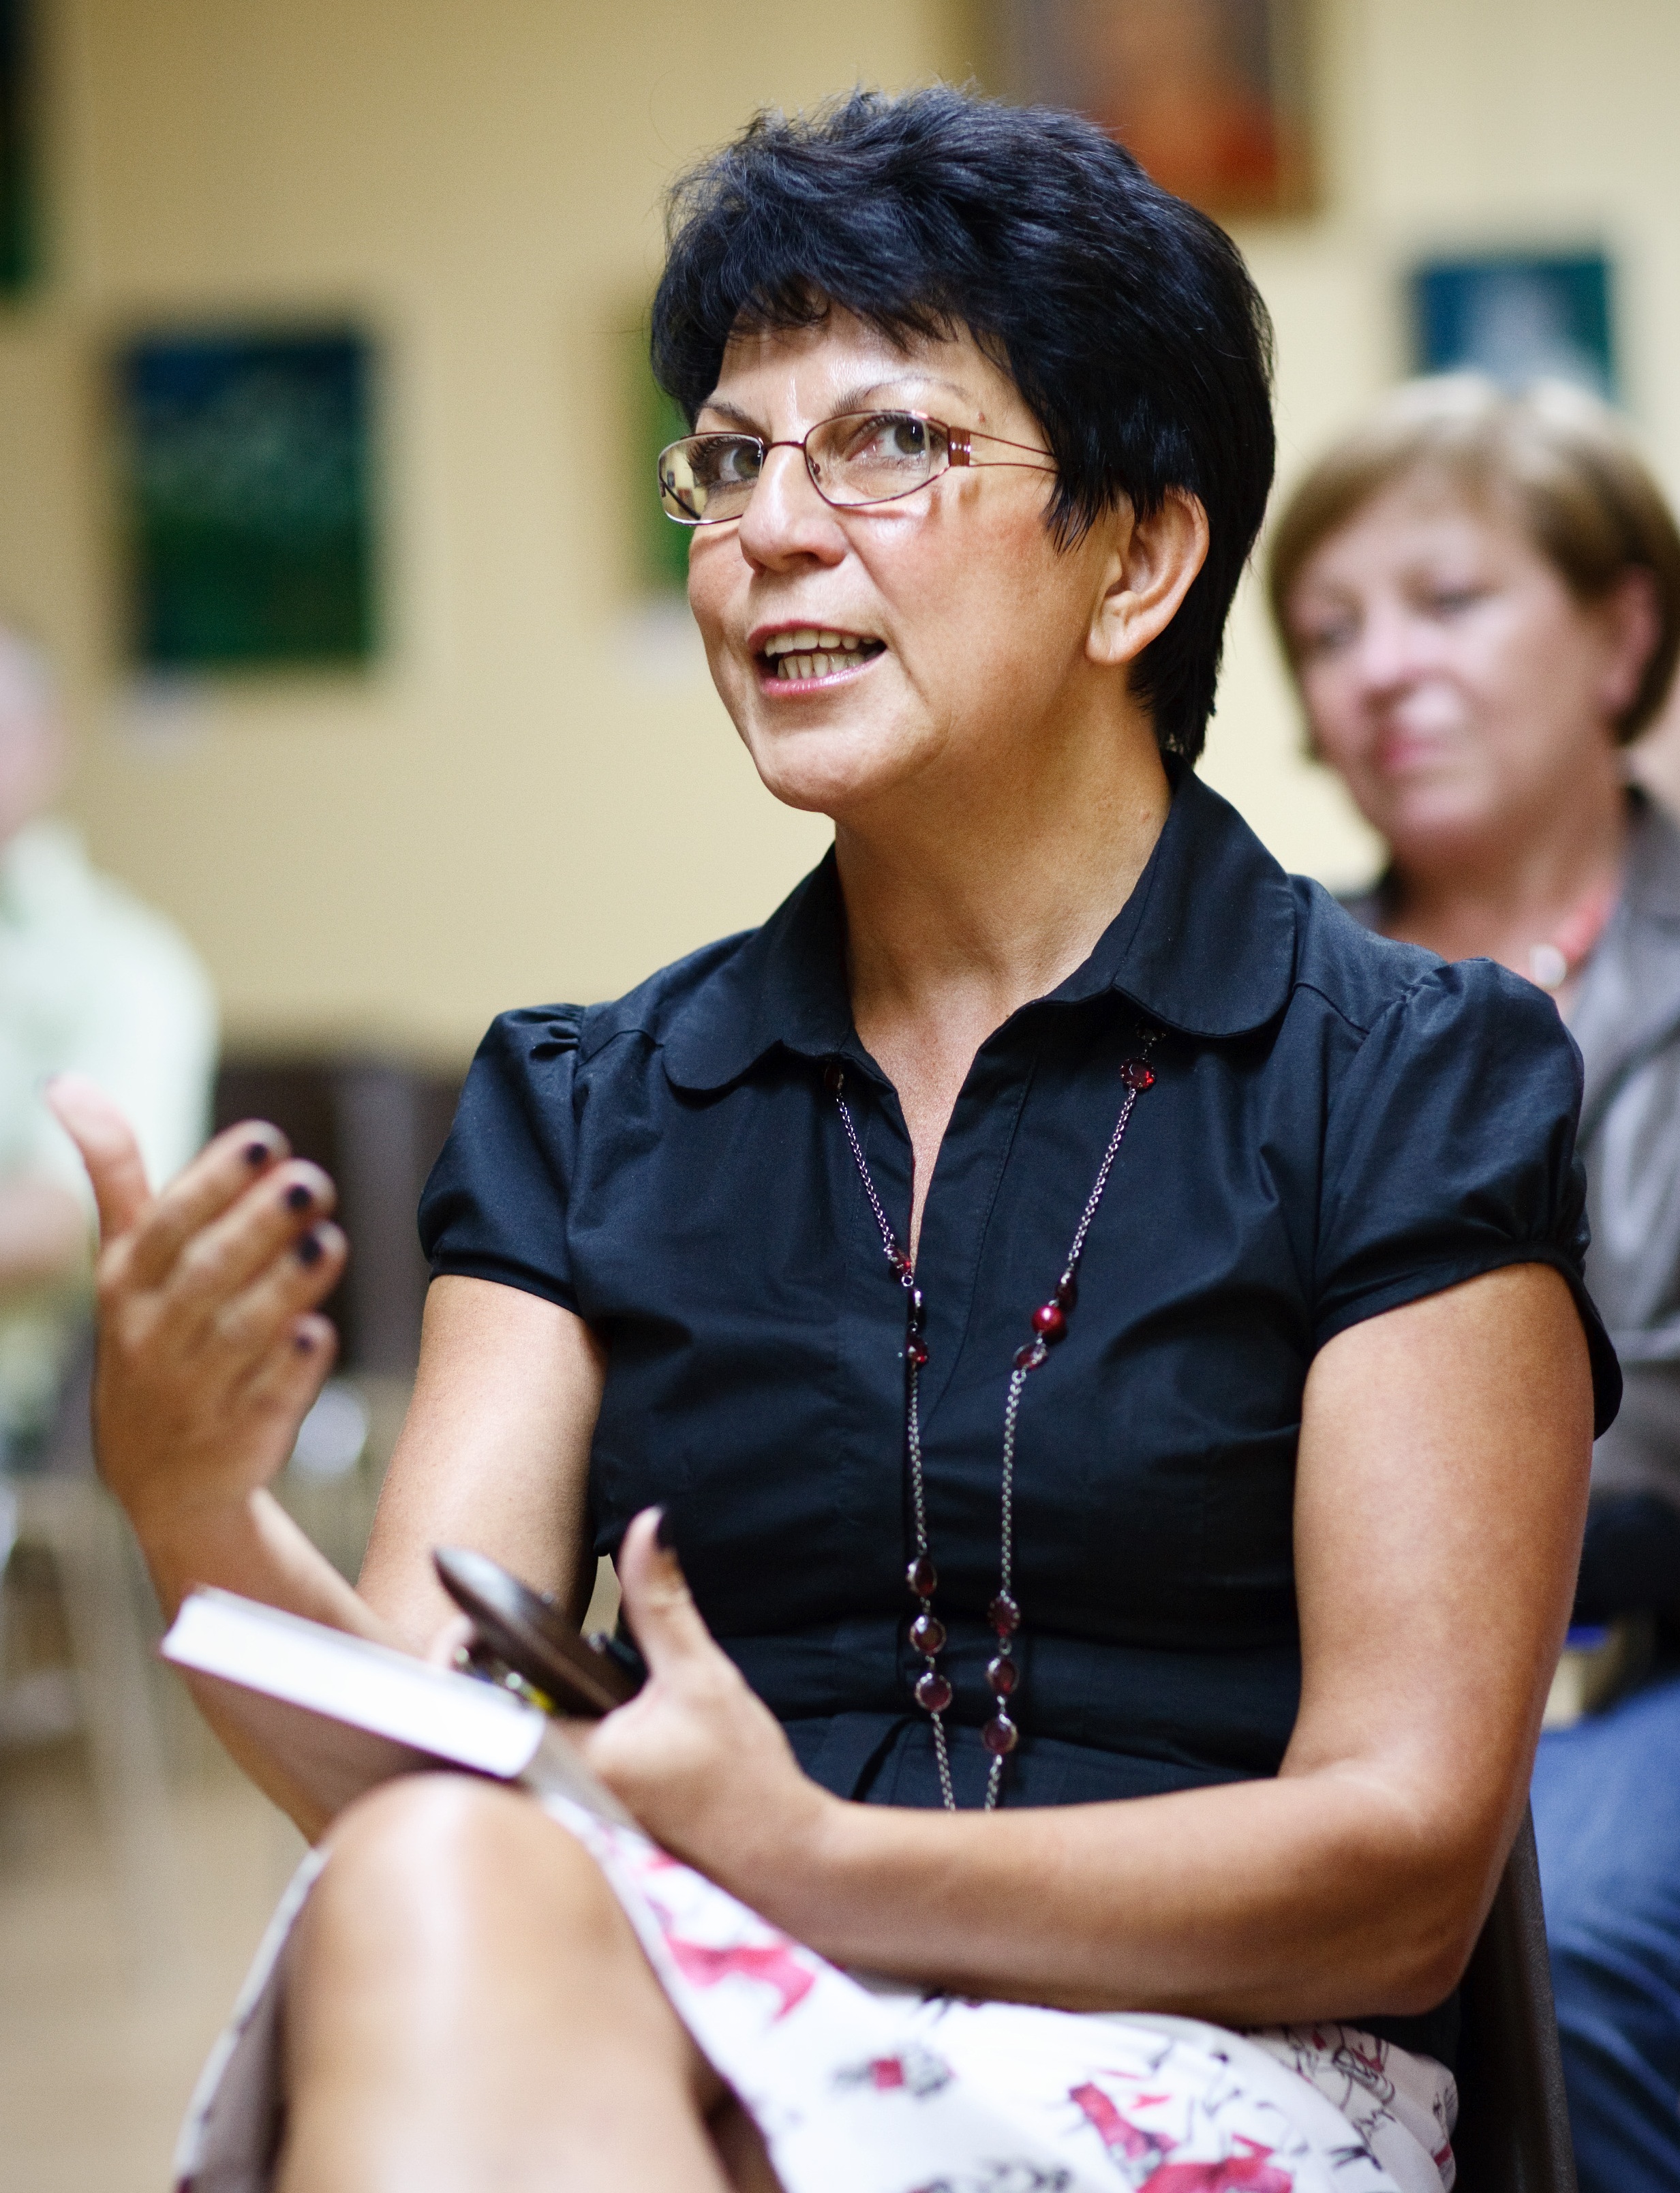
{"x": 254, "y": 1548}
{"x": 1311, "y": 1896}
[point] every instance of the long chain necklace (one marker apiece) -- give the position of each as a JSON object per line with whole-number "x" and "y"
{"x": 932, "y": 1689}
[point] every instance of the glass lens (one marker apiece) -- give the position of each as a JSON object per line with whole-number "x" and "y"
{"x": 705, "y": 479}
{"x": 873, "y": 456}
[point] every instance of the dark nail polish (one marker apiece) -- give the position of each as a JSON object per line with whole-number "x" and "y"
{"x": 665, "y": 1531}
{"x": 298, "y": 1197}
{"x": 310, "y": 1250}
{"x": 256, "y": 1154}
{"x": 304, "y": 1343}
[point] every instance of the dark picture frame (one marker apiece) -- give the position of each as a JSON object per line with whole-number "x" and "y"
{"x": 1517, "y": 316}
{"x": 245, "y": 470}
{"x": 1213, "y": 96}
{"x": 19, "y": 238}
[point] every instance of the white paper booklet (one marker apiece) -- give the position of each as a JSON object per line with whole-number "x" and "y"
{"x": 339, "y": 1714}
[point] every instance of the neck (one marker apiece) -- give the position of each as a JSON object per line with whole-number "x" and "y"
{"x": 1501, "y": 894}
{"x": 962, "y": 906}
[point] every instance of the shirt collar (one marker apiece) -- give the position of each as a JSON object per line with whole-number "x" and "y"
{"x": 1204, "y": 945}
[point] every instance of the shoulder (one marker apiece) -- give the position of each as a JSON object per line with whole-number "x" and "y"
{"x": 1377, "y": 985}
{"x": 700, "y": 983}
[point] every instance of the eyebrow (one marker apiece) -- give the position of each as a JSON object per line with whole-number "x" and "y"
{"x": 860, "y": 398}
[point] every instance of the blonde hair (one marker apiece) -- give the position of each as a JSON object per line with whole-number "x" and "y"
{"x": 1565, "y": 463}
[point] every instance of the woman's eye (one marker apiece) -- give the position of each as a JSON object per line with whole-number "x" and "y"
{"x": 1313, "y": 643}
{"x": 1451, "y": 601}
{"x": 890, "y": 437}
{"x": 738, "y": 461}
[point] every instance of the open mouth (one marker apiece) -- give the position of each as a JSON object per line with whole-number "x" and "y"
{"x": 810, "y": 652}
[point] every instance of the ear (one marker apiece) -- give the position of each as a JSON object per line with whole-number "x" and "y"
{"x": 1152, "y": 562}
{"x": 1632, "y": 626}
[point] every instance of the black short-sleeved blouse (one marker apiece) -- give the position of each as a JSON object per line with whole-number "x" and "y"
{"x": 1338, "y": 1125}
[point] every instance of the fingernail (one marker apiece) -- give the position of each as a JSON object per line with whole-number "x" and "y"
{"x": 309, "y": 1249}
{"x": 298, "y": 1197}
{"x": 665, "y": 1531}
{"x": 256, "y": 1154}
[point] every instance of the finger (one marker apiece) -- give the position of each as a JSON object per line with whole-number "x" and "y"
{"x": 450, "y": 1644}
{"x": 286, "y": 1384}
{"x": 292, "y": 1283}
{"x": 107, "y": 1142}
{"x": 223, "y": 1172}
{"x": 657, "y": 1603}
{"x": 254, "y": 1238}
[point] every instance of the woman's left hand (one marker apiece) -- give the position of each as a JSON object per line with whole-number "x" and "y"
{"x": 701, "y": 1761}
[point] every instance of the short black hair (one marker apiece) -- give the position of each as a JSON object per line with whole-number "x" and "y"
{"x": 1127, "y": 319}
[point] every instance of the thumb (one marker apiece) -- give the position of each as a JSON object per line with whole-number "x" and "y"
{"x": 108, "y": 1150}
{"x": 656, "y": 1600}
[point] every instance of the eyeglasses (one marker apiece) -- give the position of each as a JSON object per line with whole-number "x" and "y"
{"x": 859, "y": 458}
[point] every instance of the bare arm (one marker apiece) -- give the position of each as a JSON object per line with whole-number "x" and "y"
{"x": 211, "y": 1351}
{"x": 494, "y": 1453}
{"x": 1441, "y": 1492}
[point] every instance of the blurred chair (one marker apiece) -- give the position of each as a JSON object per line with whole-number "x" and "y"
{"x": 1513, "y": 2127}
{"x": 106, "y": 1693}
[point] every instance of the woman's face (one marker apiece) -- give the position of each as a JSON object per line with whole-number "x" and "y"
{"x": 959, "y": 622}
{"x": 1450, "y": 675}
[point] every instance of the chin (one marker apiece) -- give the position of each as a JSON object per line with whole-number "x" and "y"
{"x": 826, "y": 769}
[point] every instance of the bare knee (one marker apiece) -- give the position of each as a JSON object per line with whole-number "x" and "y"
{"x": 444, "y": 1866}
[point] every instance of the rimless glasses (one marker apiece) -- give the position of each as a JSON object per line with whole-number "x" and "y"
{"x": 856, "y": 459}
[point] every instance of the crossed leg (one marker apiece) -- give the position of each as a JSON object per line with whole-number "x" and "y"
{"x": 468, "y": 2010}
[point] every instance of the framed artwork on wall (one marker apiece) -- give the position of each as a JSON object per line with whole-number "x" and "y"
{"x": 245, "y": 478}
{"x": 18, "y": 227}
{"x": 1212, "y": 96}
{"x": 1517, "y": 316}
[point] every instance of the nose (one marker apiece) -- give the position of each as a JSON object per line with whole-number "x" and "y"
{"x": 1393, "y": 651}
{"x": 786, "y": 522}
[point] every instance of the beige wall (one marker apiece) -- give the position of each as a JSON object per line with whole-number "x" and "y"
{"x": 536, "y": 793}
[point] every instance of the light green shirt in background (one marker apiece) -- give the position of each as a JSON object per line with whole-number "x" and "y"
{"x": 90, "y": 980}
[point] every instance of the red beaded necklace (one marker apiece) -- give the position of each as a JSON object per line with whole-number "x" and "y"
{"x": 933, "y": 1690}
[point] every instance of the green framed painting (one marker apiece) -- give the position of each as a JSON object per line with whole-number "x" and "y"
{"x": 246, "y": 475}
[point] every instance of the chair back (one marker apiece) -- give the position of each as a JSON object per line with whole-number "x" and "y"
{"x": 1513, "y": 2127}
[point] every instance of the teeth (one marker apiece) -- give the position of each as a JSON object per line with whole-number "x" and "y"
{"x": 808, "y": 641}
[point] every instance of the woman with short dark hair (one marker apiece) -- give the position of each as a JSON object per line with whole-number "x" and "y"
{"x": 1075, "y": 1297}
{"x": 1478, "y": 590}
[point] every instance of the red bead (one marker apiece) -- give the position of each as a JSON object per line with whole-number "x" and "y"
{"x": 1065, "y": 1293}
{"x": 834, "y": 1077}
{"x": 1000, "y": 1736}
{"x": 1049, "y": 1322}
{"x": 927, "y": 1633}
{"x": 900, "y": 1262}
{"x": 915, "y": 1351}
{"x": 923, "y": 1576}
{"x": 1136, "y": 1075}
{"x": 1030, "y": 1357}
{"x": 933, "y": 1692}
{"x": 1003, "y": 1675}
{"x": 1003, "y": 1615}
{"x": 917, "y": 1314}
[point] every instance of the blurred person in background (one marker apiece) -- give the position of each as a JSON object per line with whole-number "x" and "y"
{"x": 91, "y": 980}
{"x": 1478, "y": 592}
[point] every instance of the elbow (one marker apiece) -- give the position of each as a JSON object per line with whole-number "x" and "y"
{"x": 1418, "y": 1948}
{"x": 1425, "y": 1971}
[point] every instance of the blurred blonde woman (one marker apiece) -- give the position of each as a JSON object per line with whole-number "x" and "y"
{"x": 1479, "y": 595}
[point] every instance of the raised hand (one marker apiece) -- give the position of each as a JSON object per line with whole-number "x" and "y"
{"x": 211, "y": 1348}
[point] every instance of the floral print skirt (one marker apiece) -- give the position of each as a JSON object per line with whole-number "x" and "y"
{"x": 858, "y": 2087}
